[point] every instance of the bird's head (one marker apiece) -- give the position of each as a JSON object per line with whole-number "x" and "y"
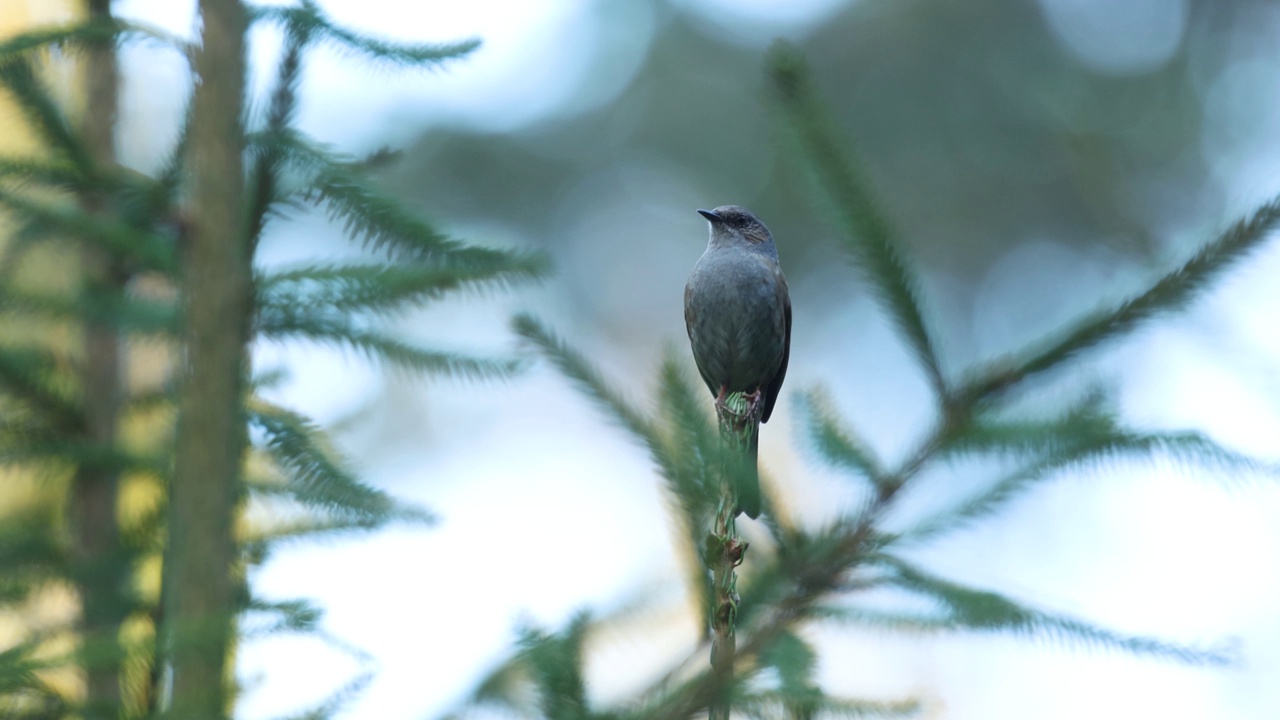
{"x": 731, "y": 224}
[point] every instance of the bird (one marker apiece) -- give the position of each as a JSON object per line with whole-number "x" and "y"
{"x": 737, "y": 309}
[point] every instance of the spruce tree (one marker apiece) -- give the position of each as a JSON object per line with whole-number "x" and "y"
{"x": 168, "y": 259}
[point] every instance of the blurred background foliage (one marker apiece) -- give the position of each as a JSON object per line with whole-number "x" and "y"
{"x": 1036, "y": 159}
{"x": 978, "y": 129}
{"x": 1001, "y": 152}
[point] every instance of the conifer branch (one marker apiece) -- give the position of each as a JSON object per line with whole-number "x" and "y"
{"x": 300, "y": 616}
{"x": 30, "y": 552}
{"x": 132, "y": 245}
{"x": 119, "y": 309}
{"x": 866, "y": 233}
{"x": 28, "y": 375}
{"x": 316, "y": 476}
{"x": 44, "y": 116}
{"x": 378, "y": 222}
{"x": 1187, "y": 448}
{"x": 258, "y": 542}
{"x": 798, "y": 694}
{"x": 555, "y": 665}
{"x": 126, "y": 221}
{"x": 381, "y": 288}
{"x": 339, "y": 185}
{"x": 307, "y": 18}
{"x": 834, "y": 442}
{"x": 985, "y": 611}
{"x": 1085, "y": 423}
{"x": 502, "y": 688}
{"x": 286, "y": 323}
{"x": 794, "y": 660}
{"x": 56, "y": 450}
{"x": 53, "y": 174}
{"x": 683, "y": 457}
{"x": 265, "y": 178}
{"x": 337, "y": 701}
{"x": 574, "y": 366}
{"x": 1171, "y": 292}
{"x": 158, "y": 201}
{"x": 779, "y": 704}
{"x": 693, "y": 450}
{"x": 93, "y": 33}
{"x": 739, "y": 421}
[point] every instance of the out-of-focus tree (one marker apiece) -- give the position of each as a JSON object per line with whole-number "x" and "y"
{"x": 150, "y": 528}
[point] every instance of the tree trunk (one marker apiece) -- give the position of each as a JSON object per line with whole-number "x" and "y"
{"x": 201, "y": 602}
{"x": 99, "y": 565}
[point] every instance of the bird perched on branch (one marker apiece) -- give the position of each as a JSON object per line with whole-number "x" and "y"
{"x": 738, "y": 313}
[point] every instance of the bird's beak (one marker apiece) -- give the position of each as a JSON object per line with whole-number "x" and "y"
{"x": 710, "y": 215}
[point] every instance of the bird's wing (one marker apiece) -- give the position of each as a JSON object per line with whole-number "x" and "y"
{"x": 775, "y": 383}
{"x": 690, "y": 321}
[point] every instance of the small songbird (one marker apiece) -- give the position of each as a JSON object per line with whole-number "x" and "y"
{"x": 738, "y": 313}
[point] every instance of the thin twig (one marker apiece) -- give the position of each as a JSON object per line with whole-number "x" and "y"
{"x": 739, "y": 422}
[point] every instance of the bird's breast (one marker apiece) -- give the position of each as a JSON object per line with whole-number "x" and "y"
{"x": 736, "y": 318}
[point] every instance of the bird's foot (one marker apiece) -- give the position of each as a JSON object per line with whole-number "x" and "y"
{"x": 742, "y": 405}
{"x": 721, "y": 397}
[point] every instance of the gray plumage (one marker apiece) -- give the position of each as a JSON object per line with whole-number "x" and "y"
{"x": 738, "y": 313}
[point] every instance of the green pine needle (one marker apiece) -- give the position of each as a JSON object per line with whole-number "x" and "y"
{"x": 144, "y": 249}
{"x": 775, "y": 705}
{"x": 574, "y": 366}
{"x": 968, "y": 609}
{"x": 503, "y": 688}
{"x": 28, "y": 376}
{"x": 151, "y": 202}
{"x": 834, "y": 442}
{"x": 83, "y": 35}
{"x": 307, "y": 19}
{"x": 31, "y": 553}
{"x": 295, "y": 616}
{"x": 1170, "y": 293}
{"x": 376, "y": 221}
{"x": 339, "y": 185}
{"x": 337, "y": 701}
{"x": 265, "y": 176}
{"x": 18, "y": 671}
{"x": 685, "y": 455}
{"x": 876, "y": 250}
{"x": 258, "y": 547}
{"x": 555, "y": 665}
{"x": 379, "y": 288}
{"x": 1187, "y": 448}
{"x": 1087, "y": 424}
{"x": 794, "y": 660}
{"x": 302, "y": 323}
{"x": 50, "y": 123}
{"x": 694, "y": 445}
{"x": 52, "y": 174}
{"x": 115, "y": 309}
{"x": 688, "y": 461}
{"x": 316, "y": 477}
{"x": 55, "y": 450}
